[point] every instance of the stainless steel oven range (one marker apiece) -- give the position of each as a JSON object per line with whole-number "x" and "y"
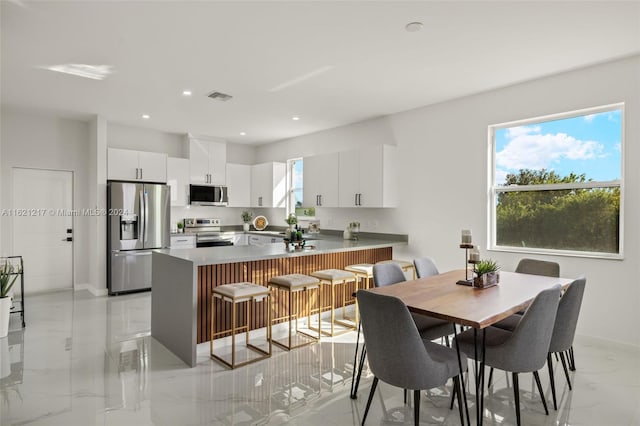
{"x": 207, "y": 231}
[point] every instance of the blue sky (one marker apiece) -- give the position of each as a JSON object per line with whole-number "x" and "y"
{"x": 589, "y": 144}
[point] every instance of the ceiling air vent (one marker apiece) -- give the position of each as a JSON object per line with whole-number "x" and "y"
{"x": 219, "y": 96}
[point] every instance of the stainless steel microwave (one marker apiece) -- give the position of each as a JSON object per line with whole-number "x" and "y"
{"x": 203, "y": 195}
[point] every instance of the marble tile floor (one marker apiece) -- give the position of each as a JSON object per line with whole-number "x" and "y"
{"x": 85, "y": 360}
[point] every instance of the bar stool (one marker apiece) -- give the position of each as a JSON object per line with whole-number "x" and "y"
{"x": 404, "y": 265}
{"x": 243, "y": 292}
{"x": 333, "y": 278}
{"x": 293, "y": 283}
{"x": 364, "y": 273}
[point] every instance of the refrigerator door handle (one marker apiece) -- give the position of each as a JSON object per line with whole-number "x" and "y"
{"x": 146, "y": 215}
{"x": 143, "y": 224}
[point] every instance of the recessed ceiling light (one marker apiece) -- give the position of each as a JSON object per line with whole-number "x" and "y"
{"x": 186, "y": 92}
{"x": 243, "y": 134}
{"x": 412, "y": 27}
{"x": 94, "y": 72}
{"x": 146, "y": 116}
{"x": 295, "y": 118}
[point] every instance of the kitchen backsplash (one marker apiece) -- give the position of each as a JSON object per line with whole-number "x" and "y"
{"x": 371, "y": 220}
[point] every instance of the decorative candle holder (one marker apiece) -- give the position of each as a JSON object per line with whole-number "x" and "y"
{"x": 468, "y": 281}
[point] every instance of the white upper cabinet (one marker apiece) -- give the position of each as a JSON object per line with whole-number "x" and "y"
{"x": 239, "y": 185}
{"x": 126, "y": 164}
{"x": 368, "y": 177}
{"x": 178, "y": 180}
{"x": 268, "y": 185}
{"x": 208, "y": 159}
{"x": 320, "y": 181}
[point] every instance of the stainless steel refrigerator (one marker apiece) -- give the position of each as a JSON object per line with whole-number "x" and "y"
{"x": 137, "y": 223}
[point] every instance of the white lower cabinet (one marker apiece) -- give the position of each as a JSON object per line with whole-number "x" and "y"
{"x": 241, "y": 240}
{"x": 256, "y": 240}
{"x": 183, "y": 241}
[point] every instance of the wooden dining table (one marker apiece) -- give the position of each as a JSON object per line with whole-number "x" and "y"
{"x": 440, "y": 297}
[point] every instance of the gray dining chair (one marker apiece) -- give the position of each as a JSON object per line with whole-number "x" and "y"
{"x": 399, "y": 356}
{"x": 523, "y": 350}
{"x": 425, "y": 267}
{"x": 385, "y": 274}
{"x": 531, "y": 267}
{"x": 538, "y": 267}
{"x": 564, "y": 330}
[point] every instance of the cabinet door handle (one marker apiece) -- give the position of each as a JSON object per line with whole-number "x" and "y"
{"x": 137, "y": 172}
{"x": 359, "y": 199}
{"x": 356, "y": 200}
{"x": 140, "y": 172}
{"x": 320, "y": 196}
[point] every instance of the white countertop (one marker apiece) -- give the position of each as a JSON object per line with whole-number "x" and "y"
{"x": 234, "y": 254}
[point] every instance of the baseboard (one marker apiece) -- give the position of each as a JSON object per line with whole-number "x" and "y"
{"x": 586, "y": 339}
{"x": 91, "y": 289}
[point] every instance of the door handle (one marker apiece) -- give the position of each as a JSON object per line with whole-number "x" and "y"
{"x": 356, "y": 200}
{"x": 67, "y": 239}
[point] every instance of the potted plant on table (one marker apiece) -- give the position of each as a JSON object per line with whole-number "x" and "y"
{"x": 246, "y": 218}
{"x": 8, "y": 276}
{"x": 487, "y": 274}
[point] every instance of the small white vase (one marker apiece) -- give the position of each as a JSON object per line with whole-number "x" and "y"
{"x": 5, "y": 307}
{"x": 245, "y": 227}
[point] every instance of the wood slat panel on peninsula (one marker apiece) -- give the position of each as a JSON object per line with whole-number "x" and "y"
{"x": 259, "y": 272}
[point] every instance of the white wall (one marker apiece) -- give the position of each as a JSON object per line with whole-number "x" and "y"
{"x": 34, "y": 141}
{"x": 443, "y": 174}
{"x": 141, "y": 139}
{"x": 98, "y": 199}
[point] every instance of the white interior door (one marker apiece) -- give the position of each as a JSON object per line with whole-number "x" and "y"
{"x": 40, "y": 200}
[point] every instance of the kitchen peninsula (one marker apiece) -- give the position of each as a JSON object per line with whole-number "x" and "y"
{"x": 182, "y": 281}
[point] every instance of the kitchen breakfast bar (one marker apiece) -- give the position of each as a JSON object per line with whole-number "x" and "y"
{"x": 183, "y": 279}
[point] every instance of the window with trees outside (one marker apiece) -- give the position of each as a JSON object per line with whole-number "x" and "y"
{"x": 556, "y": 184}
{"x": 294, "y": 185}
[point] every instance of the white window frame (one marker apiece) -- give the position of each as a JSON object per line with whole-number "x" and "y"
{"x": 290, "y": 201}
{"x": 493, "y": 190}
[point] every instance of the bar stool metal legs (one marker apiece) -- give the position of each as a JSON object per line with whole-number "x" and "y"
{"x": 333, "y": 278}
{"x": 235, "y": 294}
{"x": 295, "y": 283}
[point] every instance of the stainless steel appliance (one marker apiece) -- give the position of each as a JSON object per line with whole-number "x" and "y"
{"x": 207, "y": 232}
{"x": 206, "y": 195}
{"x": 138, "y": 222}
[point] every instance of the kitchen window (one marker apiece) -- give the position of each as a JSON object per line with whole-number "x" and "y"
{"x": 556, "y": 184}
{"x": 294, "y": 184}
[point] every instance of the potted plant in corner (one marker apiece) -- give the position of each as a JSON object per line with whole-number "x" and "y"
{"x": 487, "y": 274}
{"x": 246, "y": 218}
{"x": 8, "y": 276}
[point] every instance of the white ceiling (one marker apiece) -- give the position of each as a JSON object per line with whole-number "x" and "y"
{"x": 331, "y": 63}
